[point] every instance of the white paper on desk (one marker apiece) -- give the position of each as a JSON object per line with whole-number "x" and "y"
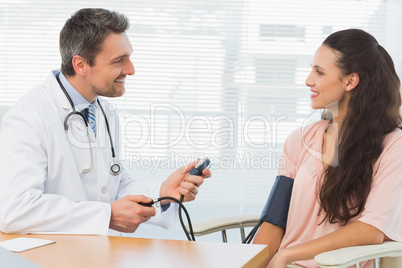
{"x": 24, "y": 243}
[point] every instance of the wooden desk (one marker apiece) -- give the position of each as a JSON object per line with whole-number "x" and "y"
{"x": 103, "y": 251}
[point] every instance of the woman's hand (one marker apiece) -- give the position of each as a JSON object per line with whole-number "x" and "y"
{"x": 279, "y": 260}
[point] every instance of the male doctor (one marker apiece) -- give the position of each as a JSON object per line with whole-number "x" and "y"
{"x": 56, "y": 163}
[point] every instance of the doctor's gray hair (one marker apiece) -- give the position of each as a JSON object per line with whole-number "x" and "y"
{"x": 84, "y": 33}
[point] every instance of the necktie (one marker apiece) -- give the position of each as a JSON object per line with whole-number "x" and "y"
{"x": 91, "y": 116}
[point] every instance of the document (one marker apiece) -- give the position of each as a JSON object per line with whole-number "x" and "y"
{"x": 24, "y": 243}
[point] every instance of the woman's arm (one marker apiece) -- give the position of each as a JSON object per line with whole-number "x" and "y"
{"x": 355, "y": 234}
{"x": 270, "y": 235}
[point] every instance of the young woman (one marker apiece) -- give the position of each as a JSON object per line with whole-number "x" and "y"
{"x": 347, "y": 168}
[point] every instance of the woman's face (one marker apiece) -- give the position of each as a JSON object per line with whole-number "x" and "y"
{"x": 326, "y": 82}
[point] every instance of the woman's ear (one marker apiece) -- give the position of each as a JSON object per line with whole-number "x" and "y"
{"x": 79, "y": 64}
{"x": 352, "y": 81}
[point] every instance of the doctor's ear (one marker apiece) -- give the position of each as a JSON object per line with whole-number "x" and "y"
{"x": 79, "y": 64}
{"x": 352, "y": 81}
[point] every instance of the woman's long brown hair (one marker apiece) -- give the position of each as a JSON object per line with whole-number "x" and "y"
{"x": 373, "y": 111}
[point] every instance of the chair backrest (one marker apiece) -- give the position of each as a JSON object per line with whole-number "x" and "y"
{"x": 387, "y": 254}
{"x": 224, "y": 223}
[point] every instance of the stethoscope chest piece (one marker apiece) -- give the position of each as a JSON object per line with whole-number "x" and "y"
{"x": 115, "y": 167}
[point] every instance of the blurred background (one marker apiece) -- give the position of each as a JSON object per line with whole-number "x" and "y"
{"x": 217, "y": 78}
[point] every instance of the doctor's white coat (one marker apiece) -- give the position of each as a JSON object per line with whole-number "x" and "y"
{"x": 41, "y": 190}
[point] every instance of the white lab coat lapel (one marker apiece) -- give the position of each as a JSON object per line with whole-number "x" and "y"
{"x": 78, "y": 144}
{"x": 71, "y": 186}
{"x": 105, "y": 179}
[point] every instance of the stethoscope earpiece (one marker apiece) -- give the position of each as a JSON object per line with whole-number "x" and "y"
{"x": 86, "y": 170}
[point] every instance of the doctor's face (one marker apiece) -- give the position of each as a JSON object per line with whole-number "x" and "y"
{"x": 111, "y": 66}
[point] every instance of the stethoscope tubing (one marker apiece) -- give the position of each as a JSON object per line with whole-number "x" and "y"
{"x": 115, "y": 166}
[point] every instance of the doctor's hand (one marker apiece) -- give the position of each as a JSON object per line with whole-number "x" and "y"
{"x": 181, "y": 183}
{"x": 127, "y": 214}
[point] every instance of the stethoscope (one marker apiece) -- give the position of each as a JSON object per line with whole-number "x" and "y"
{"x": 115, "y": 166}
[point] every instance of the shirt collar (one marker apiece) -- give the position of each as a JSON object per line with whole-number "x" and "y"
{"x": 79, "y": 101}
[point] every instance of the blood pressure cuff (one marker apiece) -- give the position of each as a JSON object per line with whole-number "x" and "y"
{"x": 277, "y": 207}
